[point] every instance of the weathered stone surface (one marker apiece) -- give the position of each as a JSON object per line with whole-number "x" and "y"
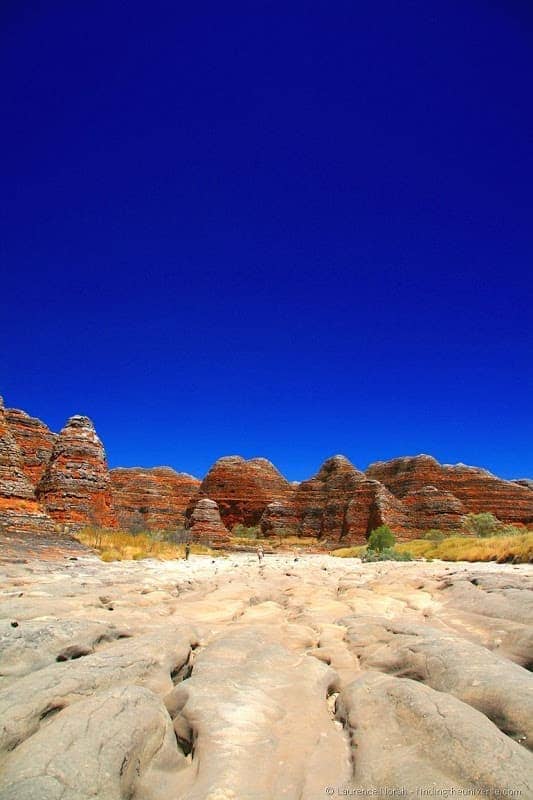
{"x": 75, "y": 488}
{"x": 118, "y": 744}
{"x": 527, "y": 482}
{"x": 499, "y": 689}
{"x": 244, "y": 707}
{"x": 159, "y": 496}
{"x": 206, "y": 526}
{"x": 407, "y": 736}
{"x": 35, "y": 440}
{"x": 28, "y": 544}
{"x": 19, "y": 509}
{"x": 34, "y": 645}
{"x": 246, "y": 660}
{"x": 146, "y": 660}
{"x": 243, "y": 488}
{"x": 477, "y": 489}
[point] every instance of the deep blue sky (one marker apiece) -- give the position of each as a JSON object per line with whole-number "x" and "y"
{"x": 279, "y": 229}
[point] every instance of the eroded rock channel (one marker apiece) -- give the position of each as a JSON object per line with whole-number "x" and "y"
{"x": 299, "y": 679}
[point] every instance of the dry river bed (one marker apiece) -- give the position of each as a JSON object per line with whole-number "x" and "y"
{"x": 298, "y": 679}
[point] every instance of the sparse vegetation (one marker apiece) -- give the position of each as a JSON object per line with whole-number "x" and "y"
{"x": 246, "y": 532}
{"x": 286, "y": 535}
{"x": 481, "y": 525}
{"x": 509, "y": 544}
{"x": 115, "y": 545}
{"x": 387, "y": 554}
{"x": 517, "y": 547}
{"x": 380, "y": 539}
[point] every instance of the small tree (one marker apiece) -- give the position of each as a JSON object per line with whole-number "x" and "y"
{"x": 380, "y": 539}
{"x": 482, "y": 525}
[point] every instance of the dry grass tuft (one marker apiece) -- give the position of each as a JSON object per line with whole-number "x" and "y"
{"x": 122, "y": 546}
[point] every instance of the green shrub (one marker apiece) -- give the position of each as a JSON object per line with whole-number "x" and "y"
{"x": 387, "y": 554}
{"x": 481, "y": 525}
{"x": 381, "y": 538}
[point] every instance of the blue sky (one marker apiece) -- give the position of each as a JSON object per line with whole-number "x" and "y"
{"x": 273, "y": 229}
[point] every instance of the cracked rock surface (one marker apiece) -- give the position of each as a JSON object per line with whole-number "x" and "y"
{"x": 223, "y": 679}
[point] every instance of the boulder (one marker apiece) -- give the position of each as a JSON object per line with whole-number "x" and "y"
{"x": 206, "y": 526}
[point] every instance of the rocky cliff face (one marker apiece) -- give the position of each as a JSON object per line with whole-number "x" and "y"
{"x": 322, "y": 501}
{"x": 476, "y": 489}
{"x": 157, "y": 497}
{"x": 19, "y": 509}
{"x": 75, "y": 488}
{"x": 243, "y": 488}
{"x": 35, "y": 440}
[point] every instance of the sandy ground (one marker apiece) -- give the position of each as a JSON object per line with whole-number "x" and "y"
{"x": 303, "y": 677}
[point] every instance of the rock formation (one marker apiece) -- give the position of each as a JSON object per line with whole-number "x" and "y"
{"x": 322, "y": 501}
{"x": 430, "y": 507}
{"x": 477, "y": 489}
{"x": 279, "y": 518}
{"x": 19, "y": 509}
{"x": 243, "y": 488}
{"x": 339, "y": 505}
{"x": 158, "y": 496}
{"x": 372, "y": 505}
{"x": 75, "y": 488}
{"x": 206, "y": 526}
{"x": 35, "y": 440}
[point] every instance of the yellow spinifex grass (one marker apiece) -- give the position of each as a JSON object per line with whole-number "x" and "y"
{"x": 273, "y": 542}
{"x": 123, "y": 546}
{"x": 517, "y": 548}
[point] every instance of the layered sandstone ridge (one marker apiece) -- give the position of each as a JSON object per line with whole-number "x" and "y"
{"x": 243, "y": 488}
{"x": 477, "y": 490}
{"x": 35, "y": 440}
{"x": 76, "y": 487}
{"x": 19, "y": 509}
{"x": 52, "y": 481}
{"x": 155, "y": 498}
